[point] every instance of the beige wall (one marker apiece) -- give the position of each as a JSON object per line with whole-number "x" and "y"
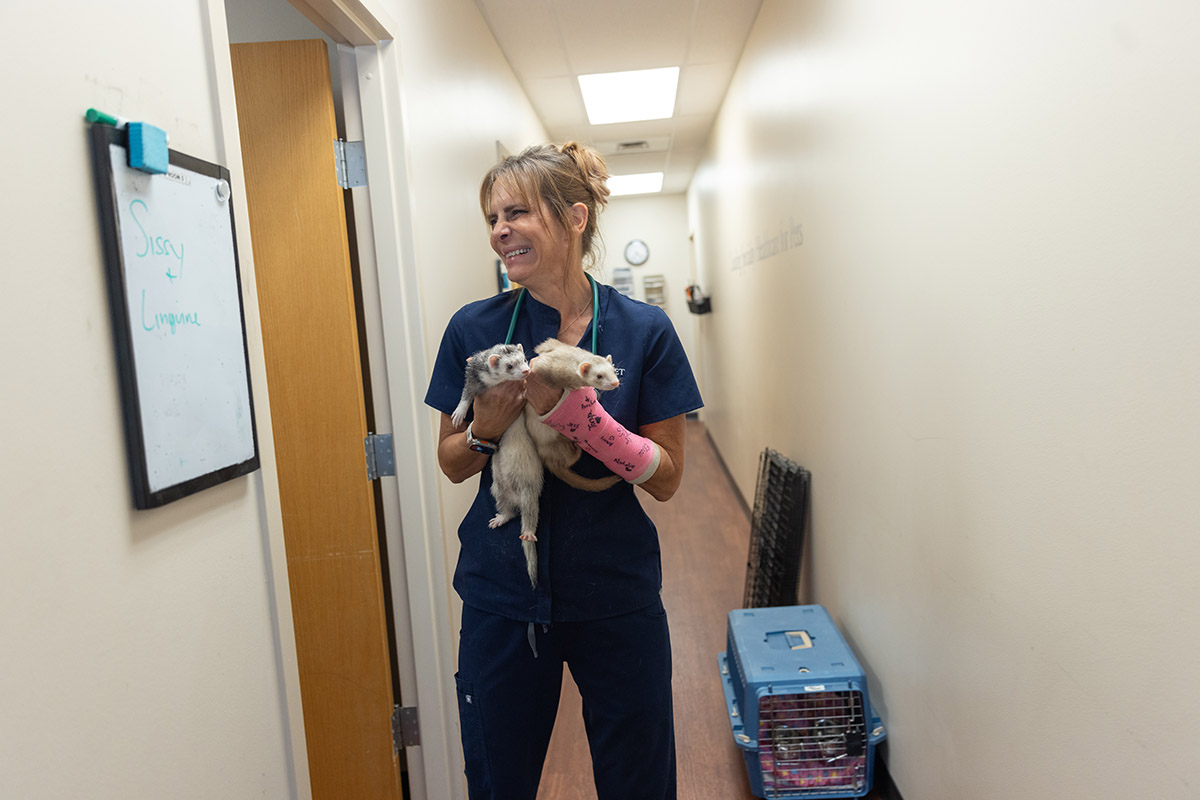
{"x": 983, "y": 347}
{"x": 140, "y": 657}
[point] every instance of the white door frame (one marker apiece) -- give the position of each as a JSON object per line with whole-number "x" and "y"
{"x": 395, "y": 344}
{"x": 396, "y": 349}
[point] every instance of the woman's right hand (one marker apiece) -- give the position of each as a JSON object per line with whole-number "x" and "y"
{"x": 497, "y": 408}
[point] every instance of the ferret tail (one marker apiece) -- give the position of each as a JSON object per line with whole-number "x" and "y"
{"x": 577, "y": 481}
{"x": 530, "y": 549}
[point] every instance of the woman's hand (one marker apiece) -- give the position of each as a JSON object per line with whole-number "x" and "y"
{"x": 495, "y": 410}
{"x": 541, "y": 396}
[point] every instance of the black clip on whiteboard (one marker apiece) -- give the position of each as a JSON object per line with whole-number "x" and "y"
{"x": 175, "y": 293}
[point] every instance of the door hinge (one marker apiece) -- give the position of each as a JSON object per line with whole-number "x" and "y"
{"x": 406, "y": 730}
{"x": 351, "y": 161}
{"x": 381, "y": 457}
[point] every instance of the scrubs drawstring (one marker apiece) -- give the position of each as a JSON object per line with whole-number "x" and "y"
{"x": 532, "y": 634}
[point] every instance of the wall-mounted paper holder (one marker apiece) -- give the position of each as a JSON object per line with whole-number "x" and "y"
{"x": 698, "y": 302}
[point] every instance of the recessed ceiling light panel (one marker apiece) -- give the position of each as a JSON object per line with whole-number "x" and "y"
{"x": 629, "y": 96}
{"x": 642, "y": 183}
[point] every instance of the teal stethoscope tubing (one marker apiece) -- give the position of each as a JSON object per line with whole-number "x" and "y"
{"x": 512, "y": 326}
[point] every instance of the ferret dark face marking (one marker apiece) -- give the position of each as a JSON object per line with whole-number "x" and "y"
{"x": 506, "y": 362}
{"x": 487, "y": 368}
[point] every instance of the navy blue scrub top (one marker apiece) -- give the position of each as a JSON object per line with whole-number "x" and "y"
{"x": 598, "y": 553}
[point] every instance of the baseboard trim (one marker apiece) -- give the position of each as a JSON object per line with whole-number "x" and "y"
{"x": 885, "y": 787}
{"x": 729, "y": 476}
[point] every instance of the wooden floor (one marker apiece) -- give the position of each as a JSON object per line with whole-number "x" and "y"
{"x": 705, "y": 538}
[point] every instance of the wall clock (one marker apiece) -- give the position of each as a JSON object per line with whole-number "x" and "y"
{"x": 636, "y": 252}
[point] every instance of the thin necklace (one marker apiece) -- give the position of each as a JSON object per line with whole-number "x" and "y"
{"x": 586, "y": 307}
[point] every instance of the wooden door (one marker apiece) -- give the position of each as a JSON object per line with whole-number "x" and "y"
{"x": 310, "y": 338}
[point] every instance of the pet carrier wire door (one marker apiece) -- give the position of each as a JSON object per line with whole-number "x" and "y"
{"x": 776, "y": 532}
{"x": 798, "y": 705}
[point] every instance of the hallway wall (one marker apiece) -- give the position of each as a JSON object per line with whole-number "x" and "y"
{"x": 952, "y": 251}
{"x": 140, "y": 653}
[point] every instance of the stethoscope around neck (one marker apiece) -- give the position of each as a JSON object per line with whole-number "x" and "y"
{"x": 512, "y": 326}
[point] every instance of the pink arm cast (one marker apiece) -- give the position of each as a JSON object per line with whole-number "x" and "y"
{"x": 581, "y": 418}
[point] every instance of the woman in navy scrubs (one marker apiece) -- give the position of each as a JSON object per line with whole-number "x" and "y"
{"x": 596, "y": 606}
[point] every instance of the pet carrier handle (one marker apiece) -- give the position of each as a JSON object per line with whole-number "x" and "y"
{"x": 877, "y": 734}
{"x": 798, "y": 640}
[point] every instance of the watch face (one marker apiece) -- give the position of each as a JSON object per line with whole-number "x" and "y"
{"x": 636, "y": 252}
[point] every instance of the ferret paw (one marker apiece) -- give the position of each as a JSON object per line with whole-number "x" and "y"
{"x": 457, "y": 417}
{"x": 498, "y": 520}
{"x": 528, "y": 537}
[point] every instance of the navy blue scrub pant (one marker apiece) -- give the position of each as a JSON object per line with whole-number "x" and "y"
{"x": 508, "y": 701}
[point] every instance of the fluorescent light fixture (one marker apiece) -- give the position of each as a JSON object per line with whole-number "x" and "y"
{"x": 629, "y": 96}
{"x": 642, "y": 183}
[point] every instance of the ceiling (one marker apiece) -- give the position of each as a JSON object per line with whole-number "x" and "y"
{"x": 549, "y": 43}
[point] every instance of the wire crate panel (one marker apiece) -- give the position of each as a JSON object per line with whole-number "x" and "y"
{"x": 776, "y": 531}
{"x": 798, "y": 704}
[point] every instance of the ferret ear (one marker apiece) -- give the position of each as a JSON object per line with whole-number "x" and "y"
{"x": 585, "y": 368}
{"x": 493, "y": 360}
{"x": 521, "y": 349}
{"x": 609, "y": 357}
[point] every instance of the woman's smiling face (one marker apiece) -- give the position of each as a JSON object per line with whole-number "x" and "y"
{"x": 535, "y": 248}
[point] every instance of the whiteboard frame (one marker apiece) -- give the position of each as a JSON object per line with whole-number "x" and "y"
{"x": 102, "y": 137}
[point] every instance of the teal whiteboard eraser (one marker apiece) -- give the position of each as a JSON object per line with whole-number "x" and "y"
{"x": 147, "y": 147}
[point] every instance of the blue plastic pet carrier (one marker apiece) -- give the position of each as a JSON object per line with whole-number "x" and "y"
{"x": 798, "y": 705}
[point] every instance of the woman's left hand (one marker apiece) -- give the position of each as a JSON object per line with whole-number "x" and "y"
{"x": 541, "y": 396}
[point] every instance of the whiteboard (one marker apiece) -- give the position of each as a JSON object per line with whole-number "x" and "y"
{"x": 175, "y": 292}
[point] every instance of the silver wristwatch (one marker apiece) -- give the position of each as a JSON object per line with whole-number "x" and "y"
{"x": 481, "y": 445}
